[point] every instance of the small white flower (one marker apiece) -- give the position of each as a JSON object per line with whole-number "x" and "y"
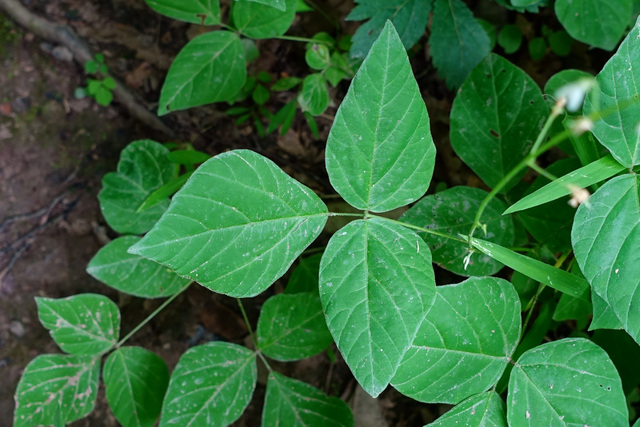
{"x": 575, "y": 92}
{"x": 581, "y": 125}
{"x": 578, "y": 196}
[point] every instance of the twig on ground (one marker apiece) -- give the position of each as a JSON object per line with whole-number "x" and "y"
{"x": 64, "y": 35}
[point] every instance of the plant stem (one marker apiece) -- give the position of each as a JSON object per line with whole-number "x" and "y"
{"x": 426, "y": 230}
{"x": 253, "y": 337}
{"x": 359, "y": 215}
{"x": 151, "y": 316}
{"x": 302, "y": 39}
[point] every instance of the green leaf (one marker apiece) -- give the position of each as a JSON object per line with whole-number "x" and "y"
{"x": 618, "y": 82}
{"x": 293, "y": 402}
{"x": 560, "y": 43}
{"x": 203, "y": 12}
{"x": 103, "y": 96}
{"x": 109, "y": 83}
{"x": 457, "y": 43}
{"x": 260, "y": 21}
{"x": 210, "y": 68}
{"x": 84, "y": 324}
{"x": 606, "y": 237}
{"x": 251, "y": 52}
{"x": 260, "y": 95}
{"x": 211, "y": 385}
{"x": 132, "y": 274}
{"x": 143, "y": 167}
{"x": 56, "y": 387}
{"x": 317, "y": 56}
{"x": 464, "y": 342}
{"x": 573, "y": 308}
{"x": 537, "y": 48}
{"x": 376, "y": 284}
{"x": 292, "y": 327}
{"x": 495, "y": 118}
{"x": 380, "y": 154}
{"x": 91, "y": 67}
{"x": 136, "y": 381}
{"x": 566, "y": 382}
{"x": 603, "y": 315}
{"x": 164, "y": 192}
{"x": 236, "y": 226}
{"x": 338, "y": 70}
{"x": 278, "y": 4}
{"x": 590, "y": 174}
{"x": 286, "y": 84}
{"x": 283, "y": 117}
{"x": 304, "y": 277}
{"x": 409, "y": 17}
{"x": 553, "y": 277}
{"x": 594, "y": 22}
{"x": 482, "y": 410}
{"x": 314, "y": 96}
{"x": 453, "y": 212}
{"x": 188, "y": 157}
{"x": 510, "y": 38}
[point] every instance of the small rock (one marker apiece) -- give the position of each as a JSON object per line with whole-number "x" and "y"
{"x": 17, "y": 328}
{"x": 62, "y": 53}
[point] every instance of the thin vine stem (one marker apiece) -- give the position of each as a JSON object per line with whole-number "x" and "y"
{"x": 152, "y": 315}
{"x": 303, "y": 39}
{"x": 426, "y": 230}
{"x": 253, "y": 337}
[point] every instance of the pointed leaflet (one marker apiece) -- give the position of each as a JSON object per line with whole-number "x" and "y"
{"x": 314, "y": 96}
{"x": 236, "y": 226}
{"x": 292, "y": 327}
{"x": 408, "y": 17}
{"x": 566, "y": 382}
{"x": 136, "y": 380}
{"x": 143, "y": 168}
{"x": 81, "y": 324}
{"x": 376, "y": 284}
{"x": 380, "y": 154}
{"x": 606, "y": 237}
{"x": 56, "y": 387}
{"x": 495, "y": 118}
{"x": 293, "y": 402}
{"x": 619, "y": 82}
{"x": 549, "y": 275}
{"x": 260, "y": 21}
{"x": 595, "y": 22}
{"x": 482, "y": 410}
{"x": 603, "y": 315}
{"x": 132, "y": 274}
{"x": 203, "y": 12}
{"x": 304, "y": 278}
{"x": 464, "y": 342}
{"x": 210, "y": 68}
{"x": 453, "y": 211}
{"x": 457, "y": 42}
{"x": 587, "y": 175}
{"x": 211, "y": 385}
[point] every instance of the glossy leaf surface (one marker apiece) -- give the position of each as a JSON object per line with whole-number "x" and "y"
{"x": 293, "y": 402}
{"x": 380, "y": 154}
{"x": 292, "y": 327}
{"x": 376, "y": 284}
{"x": 203, "y": 12}
{"x": 81, "y": 324}
{"x": 133, "y": 274}
{"x": 453, "y": 211}
{"x": 457, "y": 42}
{"x": 236, "y": 226}
{"x": 482, "y": 410}
{"x": 278, "y": 4}
{"x": 55, "y": 388}
{"x": 260, "y": 21}
{"x": 566, "y": 382}
{"x": 210, "y": 68}
{"x": 464, "y": 342}
{"x": 143, "y": 168}
{"x": 211, "y": 385}
{"x": 136, "y": 380}
{"x": 606, "y": 237}
{"x": 618, "y": 83}
{"x": 408, "y": 17}
{"x": 495, "y": 118}
{"x": 595, "y": 22}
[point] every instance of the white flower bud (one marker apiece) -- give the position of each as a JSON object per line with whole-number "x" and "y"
{"x": 575, "y": 92}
